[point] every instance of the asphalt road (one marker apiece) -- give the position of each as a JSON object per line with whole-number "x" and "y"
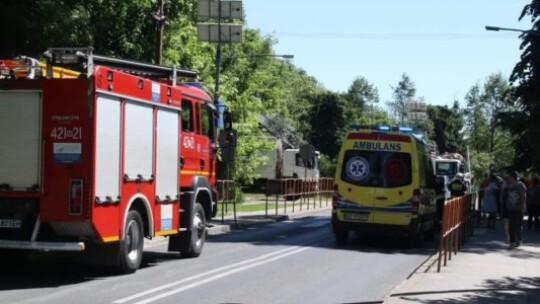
{"x": 287, "y": 262}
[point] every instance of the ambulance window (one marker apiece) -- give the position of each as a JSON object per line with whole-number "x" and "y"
{"x": 382, "y": 169}
{"x": 208, "y": 123}
{"x": 187, "y": 116}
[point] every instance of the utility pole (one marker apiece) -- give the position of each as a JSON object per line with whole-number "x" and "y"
{"x": 218, "y": 56}
{"x": 220, "y": 32}
{"x": 161, "y": 22}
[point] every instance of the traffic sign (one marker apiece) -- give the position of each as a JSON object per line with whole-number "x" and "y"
{"x": 209, "y": 32}
{"x": 229, "y": 9}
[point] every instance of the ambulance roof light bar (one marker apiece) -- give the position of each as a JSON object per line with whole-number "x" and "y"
{"x": 383, "y": 128}
{"x": 72, "y": 56}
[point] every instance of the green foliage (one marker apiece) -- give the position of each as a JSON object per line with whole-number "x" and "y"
{"x": 485, "y": 134}
{"x": 360, "y": 95}
{"x": 403, "y": 93}
{"x": 476, "y": 123}
{"x": 522, "y": 120}
{"x": 327, "y": 166}
{"x": 447, "y": 126}
{"x": 481, "y": 163}
{"x": 328, "y": 121}
{"x": 255, "y": 85}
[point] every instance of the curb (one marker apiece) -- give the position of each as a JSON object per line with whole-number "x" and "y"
{"x": 411, "y": 278}
{"x": 417, "y": 273}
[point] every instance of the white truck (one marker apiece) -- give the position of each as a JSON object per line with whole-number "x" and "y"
{"x": 284, "y": 163}
{"x": 449, "y": 165}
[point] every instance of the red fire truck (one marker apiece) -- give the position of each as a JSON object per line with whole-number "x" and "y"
{"x": 98, "y": 162}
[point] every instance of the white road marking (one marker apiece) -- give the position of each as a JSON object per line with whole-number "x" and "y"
{"x": 217, "y": 277}
{"x": 217, "y": 273}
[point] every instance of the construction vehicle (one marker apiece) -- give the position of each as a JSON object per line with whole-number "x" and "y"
{"x": 96, "y": 162}
{"x": 450, "y": 165}
{"x": 284, "y": 163}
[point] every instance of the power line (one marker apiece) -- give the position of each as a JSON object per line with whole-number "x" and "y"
{"x": 392, "y": 36}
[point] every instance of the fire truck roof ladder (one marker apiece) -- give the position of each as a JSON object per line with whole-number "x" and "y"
{"x": 71, "y": 56}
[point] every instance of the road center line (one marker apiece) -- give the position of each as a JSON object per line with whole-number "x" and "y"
{"x": 255, "y": 261}
{"x": 217, "y": 277}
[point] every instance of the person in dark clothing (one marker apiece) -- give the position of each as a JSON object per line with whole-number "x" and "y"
{"x": 514, "y": 203}
{"x": 457, "y": 187}
{"x": 533, "y": 204}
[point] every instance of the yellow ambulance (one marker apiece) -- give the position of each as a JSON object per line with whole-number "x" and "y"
{"x": 384, "y": 185}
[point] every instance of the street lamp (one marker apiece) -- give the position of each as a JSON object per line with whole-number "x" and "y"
{"x": 285, "y": 56}
{"x": 507, "y": 29}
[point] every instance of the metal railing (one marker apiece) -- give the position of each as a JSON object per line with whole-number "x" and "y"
{"x": 303, "y": 193}
{"x": 295, "y": 193}
{"x": 457, "y": 225}
{"x": 226, "y": 195}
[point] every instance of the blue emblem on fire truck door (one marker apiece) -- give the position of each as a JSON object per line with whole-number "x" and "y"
{"x": 357, "y": 168}
{"x": 156, "y": 91}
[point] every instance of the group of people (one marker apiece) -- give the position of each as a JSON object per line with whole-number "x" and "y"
{"x": 510, "y": 198}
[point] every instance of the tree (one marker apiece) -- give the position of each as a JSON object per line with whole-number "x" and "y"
{"x": 523, "y": 121}
{"x": 359, "y": 97}
{"x": 447, "y": 126}
{"x": 403, "y": 93}
{"x": 328, "y": 123}
{"x": 115, "y": 27}
{"x": 496, "y": 98}
{"x": 476, "y": 123}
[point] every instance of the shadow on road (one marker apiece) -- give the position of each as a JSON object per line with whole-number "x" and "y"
{"x": 48, "y": 270}
{"x": 506, "y": 290}
{"x": 299, "y": 232}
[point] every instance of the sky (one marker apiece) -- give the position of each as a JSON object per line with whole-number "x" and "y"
{"x": 442, "y": 45}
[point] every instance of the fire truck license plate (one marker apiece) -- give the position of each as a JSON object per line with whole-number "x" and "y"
{"x": 10, "y": 223}
{"x": 356, "y": 217}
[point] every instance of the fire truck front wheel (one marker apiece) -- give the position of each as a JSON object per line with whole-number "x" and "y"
{"x": 131, "y": 246}
{"x": 198, "y": 233}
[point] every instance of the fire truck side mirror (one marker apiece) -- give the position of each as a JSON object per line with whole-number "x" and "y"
{"x": 227, "y": 139}
{"x": 227, "y": 144}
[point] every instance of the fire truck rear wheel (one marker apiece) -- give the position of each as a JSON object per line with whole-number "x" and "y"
{"x": 198, "y": 233}
{"x": 131, "y": 246}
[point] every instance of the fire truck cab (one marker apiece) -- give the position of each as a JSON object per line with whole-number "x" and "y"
{"x": 100, "y": 161}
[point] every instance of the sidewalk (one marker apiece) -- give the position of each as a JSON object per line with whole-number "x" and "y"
{"x": 249, "y": 219}
{"x": 484, "y": 271}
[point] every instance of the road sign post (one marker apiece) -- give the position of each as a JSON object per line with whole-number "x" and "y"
{"x": 219, "y": 32}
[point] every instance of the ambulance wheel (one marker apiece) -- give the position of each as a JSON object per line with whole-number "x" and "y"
{"x": 198, "y": 233}
{"x": 131, "y": 246}
{"x": 418, "y": 238}
{"x": 341, "y": 236}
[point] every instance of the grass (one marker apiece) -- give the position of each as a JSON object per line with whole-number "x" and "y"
{"x": 251, "y": 207}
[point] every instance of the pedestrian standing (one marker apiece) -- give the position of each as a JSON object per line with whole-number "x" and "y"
{"x": 482, "y": 187}
{"x": 515, "y": 202}
{"x": 457, "y": 187}
{"x": 491, "y": 200}
{"x": 533, "y": 204}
